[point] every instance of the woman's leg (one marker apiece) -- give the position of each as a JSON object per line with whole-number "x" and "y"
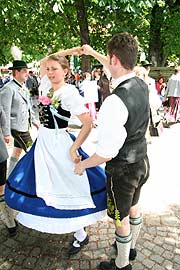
{"x": 80, "y": 239}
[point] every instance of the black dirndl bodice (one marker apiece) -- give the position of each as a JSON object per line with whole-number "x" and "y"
{"x": 47, "y": 118}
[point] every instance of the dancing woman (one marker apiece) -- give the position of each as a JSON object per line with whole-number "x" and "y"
{"x": 43, "y": 186}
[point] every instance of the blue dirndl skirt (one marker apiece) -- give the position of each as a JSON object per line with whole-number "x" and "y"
{"x": 20, "y": 191}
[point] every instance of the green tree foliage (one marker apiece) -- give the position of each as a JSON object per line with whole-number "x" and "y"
{"x": 41, "y": 27}
{"x": 164, "y": 35}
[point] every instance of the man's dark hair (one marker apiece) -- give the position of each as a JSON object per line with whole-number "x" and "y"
{"x": 124, "y": 46}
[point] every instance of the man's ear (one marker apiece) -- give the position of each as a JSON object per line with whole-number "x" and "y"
{"x": 114, "y": 60}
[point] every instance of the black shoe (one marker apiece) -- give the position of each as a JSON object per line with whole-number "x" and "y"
{"x": 166, "y": 125}
{"x": 132, "y": 253}
{"x": 74, "y": 250}
{"x": 108, "y": 266}
{"x": 13, "y": 231}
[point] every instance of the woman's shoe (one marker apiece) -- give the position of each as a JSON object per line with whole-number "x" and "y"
{"x": 13, "y": 230}
{"x": 75, "y": 249}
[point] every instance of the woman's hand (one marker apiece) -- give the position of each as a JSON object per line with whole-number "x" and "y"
{"x": 76, "y": 51}
{"x": 74, "y": 155}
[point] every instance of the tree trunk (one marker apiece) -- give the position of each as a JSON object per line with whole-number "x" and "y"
{"x": 84, "y": 32}
{"x": 155, "y": 42}
{"x": 157, "y": 54}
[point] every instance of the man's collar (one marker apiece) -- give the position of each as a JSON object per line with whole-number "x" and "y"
{"x": 116, "y": 82}
{"x": 20, "y": 85}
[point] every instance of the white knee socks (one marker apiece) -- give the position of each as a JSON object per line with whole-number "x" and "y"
{"x": 123, "y": 247}
{"x": 135, "y": 224}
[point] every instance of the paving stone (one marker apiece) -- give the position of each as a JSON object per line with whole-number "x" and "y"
{"x": 158, "y": 250}
{"x": 177, "y": 259}
{"x": 167, "y": 265}
{"x": 168, "y": 247}
{"x": 138, "y": 266}
{"x": 170, "y": 221}
{"x": 157, "y": 259}
{"x": 158, "y": 240}
{"x": 148, "y": 263}
{"x": 6, "y": 266}
{"x": 149, "y": 245}
{"x": 30, "y": 262}
{"x": 157, "y": 267}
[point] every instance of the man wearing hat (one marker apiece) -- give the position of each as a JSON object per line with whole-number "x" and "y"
{"x": 146, "y": 63}
{"x": 14, "y": 99}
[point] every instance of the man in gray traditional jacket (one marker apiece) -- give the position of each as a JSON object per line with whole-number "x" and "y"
{"x": 14, "y": 99}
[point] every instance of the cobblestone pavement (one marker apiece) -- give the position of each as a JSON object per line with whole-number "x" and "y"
{"x": 159, "y": 242}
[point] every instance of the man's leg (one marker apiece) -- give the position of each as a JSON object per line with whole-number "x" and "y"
{"x": 22, "y": 140}
{"x": 135, "y": 225}
{"x": 14, "y": 159}
{"x": 124, "y": 185}
{"x": 123, "y": 242}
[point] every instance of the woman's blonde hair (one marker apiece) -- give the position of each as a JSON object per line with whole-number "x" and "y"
{"x": 60, "y": 59}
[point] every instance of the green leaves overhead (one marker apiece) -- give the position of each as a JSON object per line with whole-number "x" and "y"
{"x": 39, "y": 27}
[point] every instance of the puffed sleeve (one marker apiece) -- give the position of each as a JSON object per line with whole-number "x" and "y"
{"x": 72, "y": 101}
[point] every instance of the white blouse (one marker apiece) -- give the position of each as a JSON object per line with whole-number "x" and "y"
{"x": 112, "y": 117}
{"x": 70, "y": 99}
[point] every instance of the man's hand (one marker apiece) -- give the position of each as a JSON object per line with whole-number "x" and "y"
{"x": 86, "y": 49}
{"x": 7, "y": 138}
{"x": 78, "y": 168}
{"x": 74, "y": 155}
{"x": 76, "y": 51}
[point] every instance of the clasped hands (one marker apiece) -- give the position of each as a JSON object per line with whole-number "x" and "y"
{"x": 78, "y": 168}
{"x": 85, "y": 49}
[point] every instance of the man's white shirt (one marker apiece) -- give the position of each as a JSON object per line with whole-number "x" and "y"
{"x": 112, "y": 117}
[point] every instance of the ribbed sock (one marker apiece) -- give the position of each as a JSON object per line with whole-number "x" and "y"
{"x": 123, "y": 247}
{"x": 12, "y": 163}
{"x": 135, "y": 224}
